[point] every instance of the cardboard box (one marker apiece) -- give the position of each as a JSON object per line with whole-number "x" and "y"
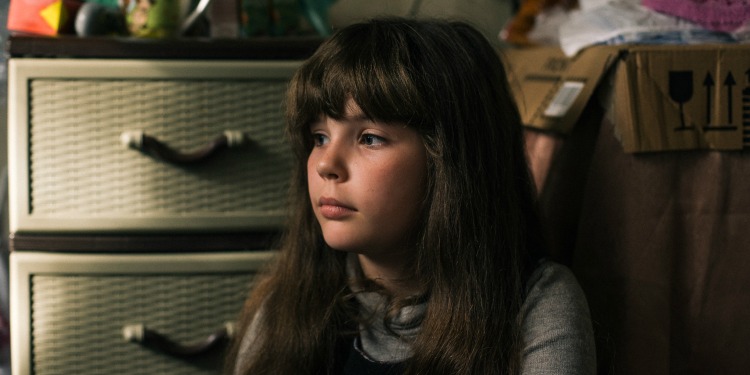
{"x": 551, "y": 90}
{"x": 663, "y": 98}
{"x": 683, "y": 97}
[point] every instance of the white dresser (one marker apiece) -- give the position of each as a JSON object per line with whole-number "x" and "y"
{"x": 146, "y": 190}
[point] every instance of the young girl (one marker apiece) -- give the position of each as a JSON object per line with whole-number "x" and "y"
{"x": 413, "y": 245}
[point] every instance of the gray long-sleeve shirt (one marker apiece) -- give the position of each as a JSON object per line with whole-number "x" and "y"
{"x": 556, "y": 331}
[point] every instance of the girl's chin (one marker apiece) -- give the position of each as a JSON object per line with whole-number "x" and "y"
{"x": 344, "y": 246}
{"x": 344, "y": 249}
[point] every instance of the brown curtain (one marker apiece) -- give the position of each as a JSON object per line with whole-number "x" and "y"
{"x": 660, "y": 243}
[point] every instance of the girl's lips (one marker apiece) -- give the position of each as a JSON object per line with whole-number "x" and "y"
{"x": 332, "y": 209}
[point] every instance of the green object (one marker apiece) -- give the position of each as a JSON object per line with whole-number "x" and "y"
{"x": 153, "y": 18}
{"x": 316, "y": 12}
{"x": 254, "y": 19}
{"x": 270, "y": 18}
{"x": 107, "y": 3}
{"x": 282, "y": 17}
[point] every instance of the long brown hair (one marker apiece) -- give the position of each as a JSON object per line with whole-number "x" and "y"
{"x": 479, "y": 225}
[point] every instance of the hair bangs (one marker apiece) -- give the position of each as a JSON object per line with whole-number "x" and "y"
{"x": 376, "y": 75}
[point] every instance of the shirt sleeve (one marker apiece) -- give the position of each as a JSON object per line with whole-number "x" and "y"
{"x": 556, "y": 328}
{"x": 247, "y": 349}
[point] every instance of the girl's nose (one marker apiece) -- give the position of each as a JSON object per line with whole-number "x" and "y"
{"x": 332, "y": 163}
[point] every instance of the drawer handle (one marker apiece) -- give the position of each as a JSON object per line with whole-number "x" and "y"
{"x": 140, "y": 334}
{"x": 138, "y": 140}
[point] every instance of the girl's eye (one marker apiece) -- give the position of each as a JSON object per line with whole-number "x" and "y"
{"x": 372, "y": 140}
{"x": 319, "y": 139}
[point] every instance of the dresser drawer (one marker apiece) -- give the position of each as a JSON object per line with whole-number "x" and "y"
{"x": 82, "y": 314}
{"x": 76, "y": 163}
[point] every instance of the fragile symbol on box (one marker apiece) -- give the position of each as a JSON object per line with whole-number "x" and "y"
{"x": 681, "y": 91}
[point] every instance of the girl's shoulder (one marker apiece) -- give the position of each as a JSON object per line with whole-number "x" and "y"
{"x": 548, "y": 276}
{"x": 550, "y": 287}
{"x": 556, "y": 323}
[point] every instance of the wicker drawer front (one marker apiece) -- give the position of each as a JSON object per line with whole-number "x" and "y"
{"x": 76, "y": 316}
{"x": 71, "y": 171}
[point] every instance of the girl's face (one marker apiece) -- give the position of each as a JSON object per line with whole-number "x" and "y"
{"x": 367, "y": 182}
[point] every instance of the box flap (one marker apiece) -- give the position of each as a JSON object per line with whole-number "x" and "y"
{"x": 683, "y": 97}
{"x": 551, "y": 89}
